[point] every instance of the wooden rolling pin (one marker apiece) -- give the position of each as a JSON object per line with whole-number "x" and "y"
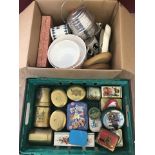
{"x": 98, "y": 66}
{"x": 104, "y": 58}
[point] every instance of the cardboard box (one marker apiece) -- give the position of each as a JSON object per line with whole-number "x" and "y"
{"x": 105, "y": 11}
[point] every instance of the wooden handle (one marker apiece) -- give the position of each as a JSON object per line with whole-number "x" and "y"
{"x": 99, "y": 58}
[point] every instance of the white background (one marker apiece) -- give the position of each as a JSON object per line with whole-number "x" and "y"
{"x": 145, "y": 77}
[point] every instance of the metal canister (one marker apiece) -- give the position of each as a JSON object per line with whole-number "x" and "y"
{"x": 76, "y": 93}
{"x": 93, "y": 93}
{"x": 113, "y": 119}
{"x": 43, "y": 136}
{"x": 42, "y": 117}
{"x": 58, "y": 120}
{"x": 43, "y": 97}
{"x": 82, "y": 23}
{"x": 59, "y": 97}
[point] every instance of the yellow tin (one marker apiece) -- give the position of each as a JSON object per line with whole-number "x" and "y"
{"x": 43, "y": 97}
{"x": 76, "y": 93}
{"x": 58, "y": 120}
{"x": 40, "y": 136}
{"x": 59, "y": 98}
{"x": 42, "y": 117}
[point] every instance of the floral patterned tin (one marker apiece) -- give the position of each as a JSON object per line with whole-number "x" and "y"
{"x": 77, "y": 117}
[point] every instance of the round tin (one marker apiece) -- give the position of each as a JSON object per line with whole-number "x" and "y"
{"x": 113, "y": 119}
{"x": 93, "y": 93}
{"x": 59, "y": 98}
{"x": 58, "y": 120}
{"x": 94, "y": 113}
{"x": 76, "y": 93}
{"x": 43, "y": 136}
{"x": 42, "y": 117}
{"x": 43, "y": 97}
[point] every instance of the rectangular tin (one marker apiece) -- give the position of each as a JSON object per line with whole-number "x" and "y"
{"x": 110, "y": 102}
{"x": 111, "y": 91}
{"x": 62, "y": 139}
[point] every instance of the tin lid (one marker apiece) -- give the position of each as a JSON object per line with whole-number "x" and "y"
{"x": 59, "y": 97}
{"x": 58, "y": 120}
{"x": 113, "y": 119}
{"x": 76, "y": 93}
{"x": 94, "y": 113}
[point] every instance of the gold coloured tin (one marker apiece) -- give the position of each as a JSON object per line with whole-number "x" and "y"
{"x": 76, "y": 93}
{"x": 93, "y": 93}
{"x": 59, "y": 98}
{"x": 42, "y": 117}
{"x": 40, "y": 136}
{"x": 58, "y": 120}
{"x": 43, "y": 97}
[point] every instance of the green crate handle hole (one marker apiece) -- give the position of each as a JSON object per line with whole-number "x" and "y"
{"x": 27, "y": 113}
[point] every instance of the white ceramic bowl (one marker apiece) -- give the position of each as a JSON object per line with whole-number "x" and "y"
{"x": 67, "y": 51}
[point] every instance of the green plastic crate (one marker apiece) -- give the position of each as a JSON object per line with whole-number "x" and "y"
{"x": 27, "y": 120}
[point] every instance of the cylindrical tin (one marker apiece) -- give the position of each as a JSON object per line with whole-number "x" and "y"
{"x": 93, "y": 93}
{"x": 113, "y": 119}
{"x": 43, "y": 97}
{"x": 59, "y": 98}
{"x": 82, "y": 23}
{"x": 43, "y": 136}
{"x": 58, "y": 120}
{"x": 76, "y": 93}
{"x": 42, "y": 117}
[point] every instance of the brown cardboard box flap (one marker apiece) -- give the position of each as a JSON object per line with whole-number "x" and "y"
{"x": 26, "y": 22}
{"x": 127, "y": 39}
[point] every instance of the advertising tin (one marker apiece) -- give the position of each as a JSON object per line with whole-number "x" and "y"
{"x": 107, "y": 139}
{"x": 111, "y": 91}
{"x": 62, "y": 139}
{"x": 111, "y": 102}
{"x": 113, "y": 119}
{"x": 77, "y": 117}
{"x": 42, "y": 117}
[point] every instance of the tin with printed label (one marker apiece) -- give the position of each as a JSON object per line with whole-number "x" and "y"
{"x": 113, "y": 119}
{"x": 42, "y": 117}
